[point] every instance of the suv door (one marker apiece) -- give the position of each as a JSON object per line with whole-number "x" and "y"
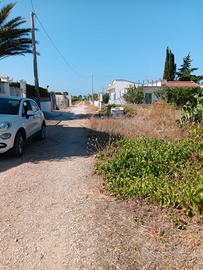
{"x": 37, "y": 118}
{"x": 28, "y": 121}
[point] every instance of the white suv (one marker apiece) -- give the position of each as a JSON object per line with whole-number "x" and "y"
{"x": 20, "y": 119}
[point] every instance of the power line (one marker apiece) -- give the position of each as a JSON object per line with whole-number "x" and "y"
{"x": 70, "y": 67}
{"x": 33, "y": 9}
{"x": 58, "y": 51}
{"x": 56, "y": 48}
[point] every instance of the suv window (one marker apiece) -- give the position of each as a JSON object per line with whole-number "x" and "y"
{"x": 34, "y": 106}
{"x": 26, "y": 107}
{"x": 9, "y": 106}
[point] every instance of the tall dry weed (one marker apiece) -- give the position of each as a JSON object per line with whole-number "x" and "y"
{"x": 157, "y": 120}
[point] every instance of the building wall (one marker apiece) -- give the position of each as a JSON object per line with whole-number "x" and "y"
{"x": 150, "y": 93}
{"x": 46, "y": 106}
{"x": 7, "y": 90}
{"x": 117, "y": 89}
{"x": 61, "y": 101}
{"x": 16, "y": 92}
{"x": 4, "y": 89}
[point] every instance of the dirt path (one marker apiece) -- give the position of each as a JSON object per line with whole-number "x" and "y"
{"x": 53, "y": 216}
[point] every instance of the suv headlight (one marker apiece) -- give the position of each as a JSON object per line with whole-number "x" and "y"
{"x": 4, "y": 126}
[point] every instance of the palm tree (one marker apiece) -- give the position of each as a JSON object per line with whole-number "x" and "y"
{"x": 14, "y": 40}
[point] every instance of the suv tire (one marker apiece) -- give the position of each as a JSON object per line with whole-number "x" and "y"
{"x": 42, "y": 134}
{"x": 19, "y": 144}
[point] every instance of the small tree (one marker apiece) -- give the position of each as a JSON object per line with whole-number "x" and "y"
{"x": 170, "y": 66}
{"x": 185, "y": 71}
{"x": 134, "y": 95}
{"x": 106, "y": 98}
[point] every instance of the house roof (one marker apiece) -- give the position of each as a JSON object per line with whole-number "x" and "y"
{"x": 109, "y": 86}
{"x": 123, "y": 80}
{"x": 180, "y": 84}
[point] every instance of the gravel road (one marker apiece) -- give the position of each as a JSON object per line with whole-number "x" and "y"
{"x": 54, "y": 217}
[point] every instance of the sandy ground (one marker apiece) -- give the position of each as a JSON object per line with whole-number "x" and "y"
{"x": 54, "y": 217}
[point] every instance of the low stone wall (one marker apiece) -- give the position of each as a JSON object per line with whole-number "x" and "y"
{"x": 46, "y": 106}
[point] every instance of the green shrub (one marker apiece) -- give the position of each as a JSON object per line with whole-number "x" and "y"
{"x": 106, "y": 98}
{"x": 180, "y": 95}
{"x": 134, "y": 95}
{"x": 155, "y": 170}
{"x": 15, "y": 84}
{"x": 193, "y": 113}
{"x": 30, "y": 91}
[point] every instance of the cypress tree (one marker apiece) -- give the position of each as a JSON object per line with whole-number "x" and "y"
{"x": 170, "y": 66}
{"x": 165, "y": 76}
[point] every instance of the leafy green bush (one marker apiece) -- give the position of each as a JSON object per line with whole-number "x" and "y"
{"x": 30, "y": 91}
{"x": 106, "y": 98}
{"x": 134, "y": 95}
{"x": 15, "y": 84}
{"x": 155, "y": 170}
{"x": 180, "y": 95}
{"x": 193, "y": 113}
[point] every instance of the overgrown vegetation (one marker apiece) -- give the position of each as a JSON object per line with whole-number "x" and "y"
{"x": 189, "y": 99}
{"x": 30, "y": 91}
{"x": 155, "y": 158}
{"x": 144, "y": 120}
{"x": 193, "y": 113}
{"x": 134, "y": 95}
{"x": 179, "y": 96}
{"x": 156, "y": 170}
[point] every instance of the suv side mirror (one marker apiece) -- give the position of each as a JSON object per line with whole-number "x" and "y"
{"x": 29, "y": 113}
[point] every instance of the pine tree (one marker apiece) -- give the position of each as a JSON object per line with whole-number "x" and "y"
{"x": 185, "y": 71}
{"x": 170, "y": 66}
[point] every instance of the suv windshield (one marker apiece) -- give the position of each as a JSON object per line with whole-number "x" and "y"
{"x": 9, "y": 106}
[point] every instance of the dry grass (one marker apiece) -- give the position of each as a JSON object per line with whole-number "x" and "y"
{"x": 157, "y": 120}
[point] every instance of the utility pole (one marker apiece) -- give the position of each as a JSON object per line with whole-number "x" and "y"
{"x": 37, "y": 95}
{"x": 92, "y": 89}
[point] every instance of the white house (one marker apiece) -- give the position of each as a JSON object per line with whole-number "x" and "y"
{"x": 150, "y": 88}
{"x": 117, "y": 89}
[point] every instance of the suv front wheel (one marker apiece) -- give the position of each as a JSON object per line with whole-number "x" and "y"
{"x": 19, "y": 145}
{"x": 42, "y": 134}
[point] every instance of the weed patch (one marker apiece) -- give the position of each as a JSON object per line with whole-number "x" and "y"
{"x": 156, "y": 170}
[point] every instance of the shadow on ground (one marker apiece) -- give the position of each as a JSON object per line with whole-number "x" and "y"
{"x": 62, "y": 142}
{"x": 63, "y": 115}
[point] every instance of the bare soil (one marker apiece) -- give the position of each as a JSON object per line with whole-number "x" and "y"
{"x": 54, "y": 216}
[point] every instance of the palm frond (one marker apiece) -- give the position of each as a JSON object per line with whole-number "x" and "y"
{"x": 5, "y": 11}
{"x": 14, "y": 39}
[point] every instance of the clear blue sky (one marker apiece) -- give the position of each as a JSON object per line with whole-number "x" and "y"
{"x": 123, "y": 39}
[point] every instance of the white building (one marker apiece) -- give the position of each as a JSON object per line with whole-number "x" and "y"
{"x": 6, "y": 88}
{"x": 117, "y": 89}
{"x": 150, "y": 88}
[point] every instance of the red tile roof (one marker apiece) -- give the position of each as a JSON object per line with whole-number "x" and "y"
{"x": 180, "y": 84}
